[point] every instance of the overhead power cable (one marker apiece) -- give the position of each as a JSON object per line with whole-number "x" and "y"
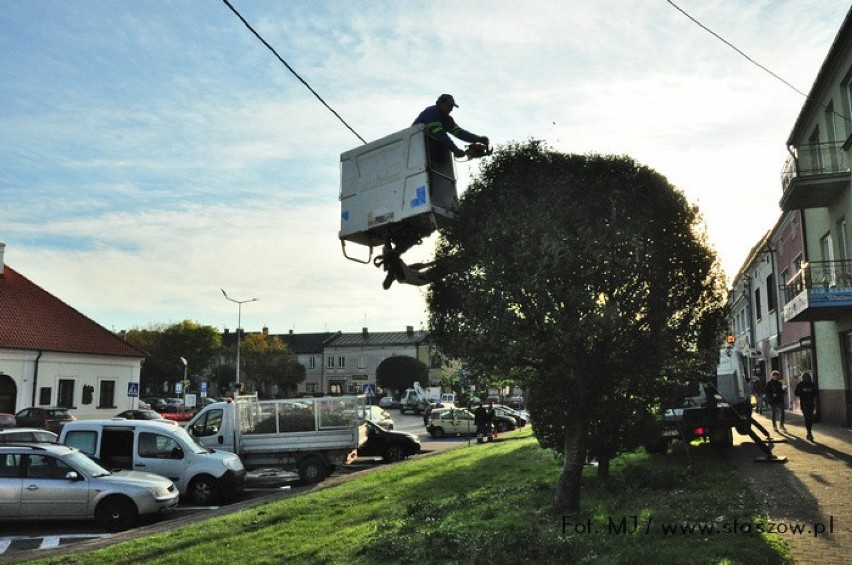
{"x": 749, "y": 59}
{"x": 289, "y": 68}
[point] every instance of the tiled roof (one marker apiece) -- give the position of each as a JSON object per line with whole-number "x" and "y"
{"x": 306, "y": 343}
{"x": 378, "y": 338}
{"x": 33, "y": 319}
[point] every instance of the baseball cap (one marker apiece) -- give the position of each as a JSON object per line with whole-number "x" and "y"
{"x": 448, "y": 98}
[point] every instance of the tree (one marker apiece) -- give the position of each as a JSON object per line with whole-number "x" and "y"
{"x": 400, "y": 372}
{"x": 165, "y": 346}
{"x": 270, "y": 364}
{"x": 586, "y": 277}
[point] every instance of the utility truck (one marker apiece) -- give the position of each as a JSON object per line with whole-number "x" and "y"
{"x": 416, "y": 399}
{"x": 308, "y": 435}
{"x": 711, "y": 410}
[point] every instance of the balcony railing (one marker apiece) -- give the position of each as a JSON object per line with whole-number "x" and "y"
{"x": 819, "y": 275}
{"x": 814, "y": 160}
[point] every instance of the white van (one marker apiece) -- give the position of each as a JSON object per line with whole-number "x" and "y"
{"x": 203, "y": 475}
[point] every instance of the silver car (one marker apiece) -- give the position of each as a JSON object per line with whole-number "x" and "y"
{"x": 27, "y": 435}
{"x": 53, "y": 482}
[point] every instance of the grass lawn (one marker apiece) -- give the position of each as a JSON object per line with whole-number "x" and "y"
{"x": 486, "y": 504}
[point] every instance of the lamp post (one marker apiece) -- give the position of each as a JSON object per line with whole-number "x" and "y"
{"x": 239, "y": 321}
{"x": 183, "y": 384}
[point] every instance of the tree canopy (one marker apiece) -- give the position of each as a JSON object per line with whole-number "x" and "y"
{"x": 588, "y": 279}
{"x": 399, "y": 372}
{"x": 271, "y": 365}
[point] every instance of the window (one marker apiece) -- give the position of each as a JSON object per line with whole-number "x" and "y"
{"x": 362, "y": 362}
{"x": 84, "y": 440}
{"x": 107, "y": 395}
{"x": 329, "y": 361}
{"x": 46, "y": 467}
{"x": 770, "y": 293}
{"x": 44, "y": 395}
{"x": 157, "y": 446}
{"x": 312, "y": 362}
{"x": 65, "y": 397}
{"x": 341, "y": 361}
{"x": 208, "y": 425}
{"x": 827, "y": 276}
{"x": 757, "y": 308}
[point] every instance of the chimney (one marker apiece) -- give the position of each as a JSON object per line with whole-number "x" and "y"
{"x": 365, "y": 333}
{"x": 265, "y": 330}
{"x": 291, "y": 332}
{"x": 2, "y": 251}
{"x": 409, "y": 330}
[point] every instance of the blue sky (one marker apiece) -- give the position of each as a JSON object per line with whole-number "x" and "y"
{"x": 153, "y": 152}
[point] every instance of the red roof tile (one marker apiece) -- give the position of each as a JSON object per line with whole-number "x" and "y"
{"x": 33, "y": 319}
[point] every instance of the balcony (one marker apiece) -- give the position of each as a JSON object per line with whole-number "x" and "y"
{"x": 814, "y": 176}
{"x": 821, "y": 290}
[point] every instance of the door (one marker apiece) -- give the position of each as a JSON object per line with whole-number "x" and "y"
{"x": 8, "y": 394}
{"x": 161, "y": 455}
{"x": 207, "y": 429}
{"x": 10, "y": 485}
{"x": 46, "y": 492}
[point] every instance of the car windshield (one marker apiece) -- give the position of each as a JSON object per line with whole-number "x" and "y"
{"x": 59, "y": 413}
{"x": 190, "y": 440}
{"x": 82, "y": 462}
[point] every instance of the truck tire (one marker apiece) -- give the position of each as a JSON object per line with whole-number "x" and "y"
{"x": 312, "y": 470}
{"x": 394, "y": 453}
{"x": 204, "y": 491}
{"x": 721, "y": 438}
{"x": 116, "y": 514}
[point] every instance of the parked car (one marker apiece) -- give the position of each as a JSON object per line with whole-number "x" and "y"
{"x": 516, "y": 402}
{"x": 202, "y": 475}
{"x": 155, "y": 403}
{"x": 27, "y": 435}
{"x": 520, "y": 420}
{"x": 142, "y": 415}
{"x": 378, "y": 416}
{"x": 7, "y": 421}
{"x": 427, "y": 412}
{"x": 142, "y": 405}
{"x": 45, "y": 418}
{"x": 50, "y": 482}
{"x": 459, "y": 421}
{"x": 389, "y": 445}
{"x": 388, "y": 402}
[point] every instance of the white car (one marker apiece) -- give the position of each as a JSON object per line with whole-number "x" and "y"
{"x": 378, "y": 416}
{"x": 27, "y": 435}
{"x": 56, "y": 482}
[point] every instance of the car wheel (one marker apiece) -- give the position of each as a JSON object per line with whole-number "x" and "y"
{"x": 394, "y": 453}
{"x": 437, "y": 432}
{"x": 502, "y": 427}
{"x": 204, "y": 491}
{"x": 116, "y": 514}
{"x": 312, "y": 470}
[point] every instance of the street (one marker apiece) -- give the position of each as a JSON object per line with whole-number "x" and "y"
{"x": 29, "y": 536}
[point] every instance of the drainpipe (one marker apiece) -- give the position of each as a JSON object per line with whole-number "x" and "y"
{"x": 35, "y": 377}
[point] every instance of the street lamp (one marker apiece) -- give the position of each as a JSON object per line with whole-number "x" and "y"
{"x": 239, "y": 321}
{"x": 183, "y": 384}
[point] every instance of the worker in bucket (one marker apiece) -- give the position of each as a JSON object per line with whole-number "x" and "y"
{"x": 438, "y": 121}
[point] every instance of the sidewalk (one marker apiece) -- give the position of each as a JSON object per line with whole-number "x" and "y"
{"x": 813, "y": 489}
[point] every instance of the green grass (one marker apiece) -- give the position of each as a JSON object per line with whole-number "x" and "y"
{"x": 482, "y": 504}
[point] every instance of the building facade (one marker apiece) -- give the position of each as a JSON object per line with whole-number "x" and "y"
{"x": 816, "y": 180}
{"x": 52, "y": 355}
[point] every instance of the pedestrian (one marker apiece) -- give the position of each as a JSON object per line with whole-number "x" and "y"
{"x": 775, "y": 398}
{"x": 758, "y": 387}
{"x": 438, "y": 121}
{"x": 806, "y": 391}
{"x": 480, "y": 418}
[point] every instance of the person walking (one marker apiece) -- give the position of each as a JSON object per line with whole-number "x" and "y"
{"x": 806, "y": 391}
{"x": 775, "y": 398}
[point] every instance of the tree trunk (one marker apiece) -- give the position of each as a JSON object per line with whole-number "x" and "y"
{"x": 567, "y": 497}
{"x": 603, "y": 466}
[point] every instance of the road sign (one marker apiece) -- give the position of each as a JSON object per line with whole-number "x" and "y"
{"x": 178, "y": 387}
{"x": 369, "y": 389}
{"x": 132, "y": 390}
{"x": 202, "y": 386}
